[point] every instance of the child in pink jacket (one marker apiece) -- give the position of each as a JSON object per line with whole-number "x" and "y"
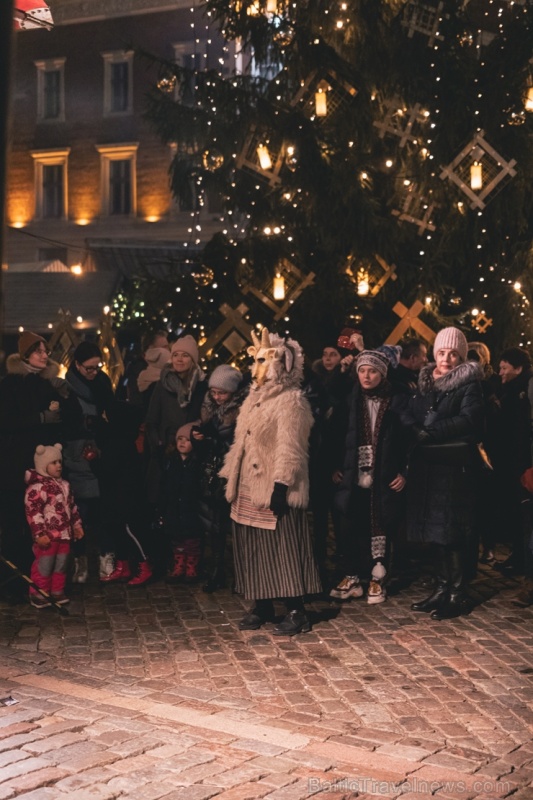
{"x": 54, "y": 520}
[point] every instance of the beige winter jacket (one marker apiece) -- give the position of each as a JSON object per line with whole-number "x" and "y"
{"x": 271, "y": 444}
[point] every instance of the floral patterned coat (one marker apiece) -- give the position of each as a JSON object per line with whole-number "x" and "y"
{"x": 50, "y": 507}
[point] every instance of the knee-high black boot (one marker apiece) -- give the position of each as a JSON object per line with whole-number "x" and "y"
{"x": 456, "y": 603}
{"x": 441, "y": 592}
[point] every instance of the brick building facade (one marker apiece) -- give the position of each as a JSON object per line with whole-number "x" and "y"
{"x": 84, "y": 164}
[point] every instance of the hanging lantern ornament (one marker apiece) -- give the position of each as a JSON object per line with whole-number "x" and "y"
{"x": 167, "y": 83}
{"x": 272, "y": 7}
{"x": 204, "y": 276}
{"x": 476, "y": 176}
{"x": 321, "y": 100}
{"x": 363, "y": 283}
{"x": 284, "y": 35}
{"x": 265, "y": 162}
{"x": 529, "y": 98}
{"x": 212, "y": 159}
{"x": 278, "y": 289}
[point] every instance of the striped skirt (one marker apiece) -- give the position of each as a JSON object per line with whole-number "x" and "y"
{"x": 271, "y": 564}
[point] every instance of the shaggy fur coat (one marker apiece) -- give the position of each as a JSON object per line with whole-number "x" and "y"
{"x": 271, "y": 444}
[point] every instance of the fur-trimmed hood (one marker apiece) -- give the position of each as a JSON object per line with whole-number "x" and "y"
{"x": 469, "y": 372}
{"x": 16, "y": 366}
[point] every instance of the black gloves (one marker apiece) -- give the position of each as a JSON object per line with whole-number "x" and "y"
{"x": 50, "y": 417}
{"x": 278, "y": 501}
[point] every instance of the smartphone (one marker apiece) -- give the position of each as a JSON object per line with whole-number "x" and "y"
{"x": 344, "y": 338}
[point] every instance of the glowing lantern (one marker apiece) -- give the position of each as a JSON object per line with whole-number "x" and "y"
{"x": 279, "y": 287}
{"x": 529, "y": 99}
{"x": 321, "y": 103}
{"x": 476, "y": 176}
{"x": 363, "y": 283}
{"x": 264, "y": 157}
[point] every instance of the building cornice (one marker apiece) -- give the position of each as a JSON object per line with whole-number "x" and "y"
{"x": 68, "y": 12}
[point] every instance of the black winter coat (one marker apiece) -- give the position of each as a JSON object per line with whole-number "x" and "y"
{"x": 389, "y": 461}
{"x": 23, "y": 396}
{"x": 512, "y": 429}
{"x": 181, "y": 498}
{"x": 440, "y": 494}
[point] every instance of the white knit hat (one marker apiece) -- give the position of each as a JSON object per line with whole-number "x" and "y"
{"x": 225, "y": 378}
{"x": 44, "y": 455}
{"x": 451, "y": 339}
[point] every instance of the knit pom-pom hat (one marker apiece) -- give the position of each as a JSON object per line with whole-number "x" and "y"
{"x": 44, "y": 455}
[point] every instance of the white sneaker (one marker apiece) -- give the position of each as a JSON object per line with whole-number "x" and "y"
{"x": 378, "y": 571}
{"x": 350, "y": 586}
{"x": 107, "y": 564}
{"x": 376, "y": 593}
{"x": 81, "y": 571}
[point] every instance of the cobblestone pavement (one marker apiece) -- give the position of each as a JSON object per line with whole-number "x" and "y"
{"x": 155, "y": 693}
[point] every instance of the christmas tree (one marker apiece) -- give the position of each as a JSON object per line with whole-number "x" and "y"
{"x": 373, "y": 156}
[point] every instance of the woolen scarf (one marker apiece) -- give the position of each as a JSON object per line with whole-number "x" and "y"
{"x": 183, "y": 389}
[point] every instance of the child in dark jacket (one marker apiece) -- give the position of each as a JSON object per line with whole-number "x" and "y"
{"x": 54, "y": 521}
{"x": 181, "y": 498}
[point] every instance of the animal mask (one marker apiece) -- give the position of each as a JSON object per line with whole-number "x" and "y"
{"x": 276, "y": 360}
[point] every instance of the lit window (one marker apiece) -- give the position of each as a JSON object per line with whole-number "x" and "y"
{"x": 118, "y": 178}
{"x": 51, "y": 90}
{"x": 118, "y": 82}
{"x": 51, "y": 183}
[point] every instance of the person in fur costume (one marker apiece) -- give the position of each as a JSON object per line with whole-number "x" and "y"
{"x": 445, "y": 420}
{"x": 54, "y": 521}
{"x": 373, "y": 478}
{"x": 268, "y": 487}
{"x": 218, "y": 419}
{"x": 31, "y": 400}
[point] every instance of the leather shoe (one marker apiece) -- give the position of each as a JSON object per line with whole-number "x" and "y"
{"x": 253, "y": 620}
{"x": 295, "y": 622}
{"x": 432, "y": 602}
{"x": 454, "y": 607}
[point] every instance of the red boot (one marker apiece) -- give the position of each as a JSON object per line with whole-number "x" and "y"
{"x": 121, "y": 572}
{"x": 178, "y": 570}
{"x": 144, "y": 574}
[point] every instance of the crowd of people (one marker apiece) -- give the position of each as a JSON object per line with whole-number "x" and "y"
{"x": 381, "y": 450}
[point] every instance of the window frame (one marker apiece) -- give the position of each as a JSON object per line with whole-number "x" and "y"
{"x": 50, "y": 65}
{"x": 49, "y": 158}
{"x": 189, "y": 48}
{"x": 117, "y": 57}
{"x": 126, "y": 151}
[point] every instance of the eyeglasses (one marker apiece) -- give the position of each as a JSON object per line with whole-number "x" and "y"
{"x": 91, "y": 369}
{"x": 41, "y": 349}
